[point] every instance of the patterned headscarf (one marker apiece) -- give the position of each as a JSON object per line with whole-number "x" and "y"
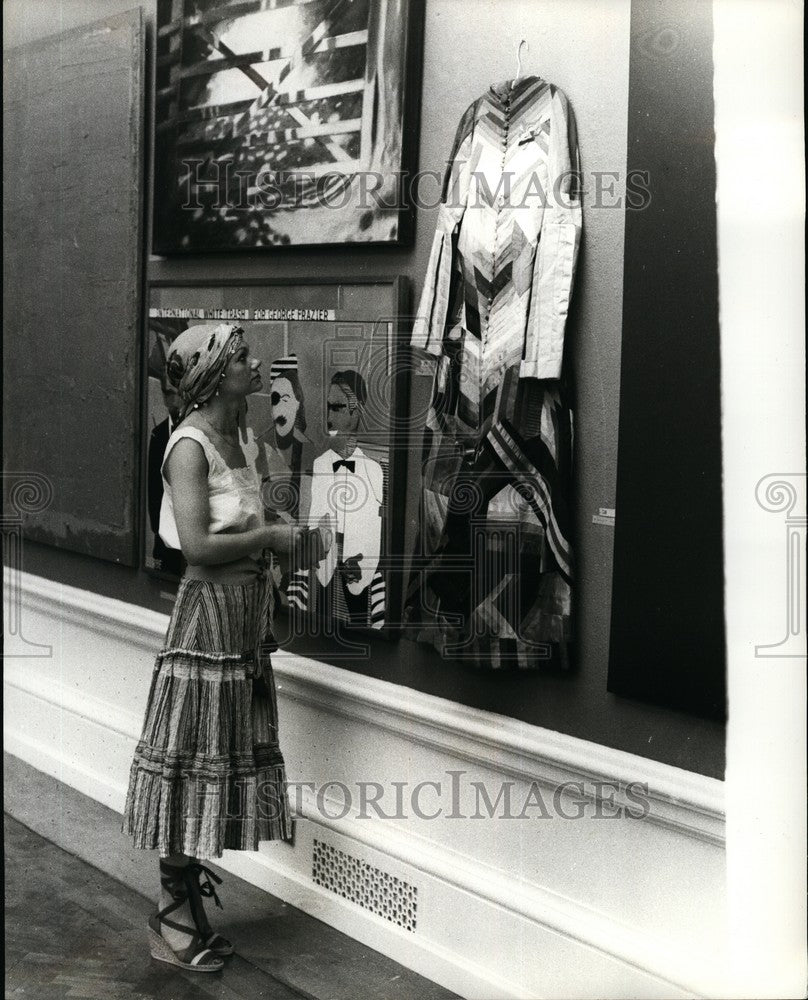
{"x": 197, "y": 360}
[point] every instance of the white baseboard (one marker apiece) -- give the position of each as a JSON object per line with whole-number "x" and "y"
{"x": 544, "y": 934}
{"x": 47, "y": 759}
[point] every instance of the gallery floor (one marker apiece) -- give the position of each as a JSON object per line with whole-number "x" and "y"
{"x": 76, "y": 917}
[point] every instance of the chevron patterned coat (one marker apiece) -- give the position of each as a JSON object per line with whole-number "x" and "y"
{"x": 492, "y": 574}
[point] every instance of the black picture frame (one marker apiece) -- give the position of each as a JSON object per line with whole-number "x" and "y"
{"x": 334, "y": 322}
{"x": 303, "y": 134}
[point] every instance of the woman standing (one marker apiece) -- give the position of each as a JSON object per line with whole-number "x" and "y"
{"x": 208, "y": 774}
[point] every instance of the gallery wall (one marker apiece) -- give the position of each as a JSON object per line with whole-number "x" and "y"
{"x": 584, "y": 49}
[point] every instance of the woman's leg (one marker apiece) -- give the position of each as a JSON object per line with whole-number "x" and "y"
{"x": 194, "y": 884}
{"x": 172, "y": 883}
{"x": 173, "y": 932}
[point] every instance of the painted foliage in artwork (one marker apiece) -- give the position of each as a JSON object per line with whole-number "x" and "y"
{"x": 279, "y": 123}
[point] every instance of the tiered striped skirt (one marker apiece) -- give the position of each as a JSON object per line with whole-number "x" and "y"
{"x": 208, "y": 774}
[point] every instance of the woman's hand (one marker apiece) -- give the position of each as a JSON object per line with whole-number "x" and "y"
{"x": 311, "y": 547}
{"x": 282, "y": 538}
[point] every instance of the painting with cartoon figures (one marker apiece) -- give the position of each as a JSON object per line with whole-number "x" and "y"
{"x": 320, "y": 434}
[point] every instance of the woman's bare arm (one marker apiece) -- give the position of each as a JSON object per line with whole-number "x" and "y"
{"x": 187, "y": 472}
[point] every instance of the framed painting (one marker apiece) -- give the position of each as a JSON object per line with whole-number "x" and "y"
{"x": 73, "y": 117}
{"x": 327, "y": 434}
{"x": 284, "y": 124}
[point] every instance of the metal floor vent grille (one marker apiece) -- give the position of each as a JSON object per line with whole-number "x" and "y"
{"x": 361, "y": 883}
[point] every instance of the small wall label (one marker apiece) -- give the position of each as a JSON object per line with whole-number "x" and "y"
{"x": 605, "y": 515}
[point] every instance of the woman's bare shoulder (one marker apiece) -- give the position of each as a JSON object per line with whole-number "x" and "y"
{"x": 188, "y": 452}
{"x": 189, "y": 449}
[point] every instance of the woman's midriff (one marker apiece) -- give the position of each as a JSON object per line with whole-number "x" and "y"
{"x": 246, "y": 570}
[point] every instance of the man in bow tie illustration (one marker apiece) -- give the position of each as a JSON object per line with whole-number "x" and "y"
{"x": 347, "y": 495}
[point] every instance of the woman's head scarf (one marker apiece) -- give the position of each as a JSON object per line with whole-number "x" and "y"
{"x": 197, "y": 360}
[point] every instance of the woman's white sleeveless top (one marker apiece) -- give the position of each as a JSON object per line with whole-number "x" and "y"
{"x": 234, "y": 495}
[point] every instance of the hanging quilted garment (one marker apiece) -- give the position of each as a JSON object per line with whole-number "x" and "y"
{"x": 492, "y": 572}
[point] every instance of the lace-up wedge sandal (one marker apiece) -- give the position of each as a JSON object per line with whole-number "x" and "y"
{"x": 197, "y": 888}
{"x": 196, "y": 956}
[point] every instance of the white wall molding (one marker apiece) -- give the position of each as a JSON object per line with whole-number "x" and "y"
{"x": 678, "y": 799}
{"x": 112, "y": 718}
{"x": 639, "y": 950}
{"x": 60, "y": 723}
{"x": 568, "y": 917}
{"x": 48, "y": 759}
{"x": 429, "y": 958}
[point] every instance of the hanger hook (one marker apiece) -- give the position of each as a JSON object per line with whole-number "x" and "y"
{"x": 519, "y": 57}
